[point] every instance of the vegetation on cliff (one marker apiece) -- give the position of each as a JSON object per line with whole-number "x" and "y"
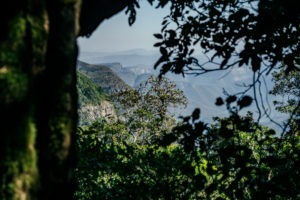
{"x": 88, "y": 91}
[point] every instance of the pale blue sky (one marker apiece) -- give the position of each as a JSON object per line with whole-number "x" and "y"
{"x": 115, "y": 34}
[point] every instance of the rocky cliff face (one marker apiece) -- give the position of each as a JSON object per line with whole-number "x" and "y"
{"x": 89, "y": 113}
{"x": 94, "y": 82}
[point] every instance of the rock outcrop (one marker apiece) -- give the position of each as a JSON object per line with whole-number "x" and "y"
{"x": 90, "y": 113}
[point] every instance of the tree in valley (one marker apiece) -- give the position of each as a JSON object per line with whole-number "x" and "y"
{"x": 146, "y": 110}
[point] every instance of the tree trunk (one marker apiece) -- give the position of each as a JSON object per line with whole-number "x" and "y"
{"x": 57, "y": 104}
{"x": 38, "y": 101}
{"x": 38, "y": 97}
{"x": 22, "y": 36}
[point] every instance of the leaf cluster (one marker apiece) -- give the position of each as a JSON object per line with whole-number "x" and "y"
{"x": 232, "y": 158}
{"x": 232, "y": 33}
{"x": 243, "y": 159}
{"x": 116, "y": 169}
{"x": 145, "y": 110}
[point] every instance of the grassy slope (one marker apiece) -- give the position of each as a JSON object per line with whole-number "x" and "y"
{"x": 88, "y": 91}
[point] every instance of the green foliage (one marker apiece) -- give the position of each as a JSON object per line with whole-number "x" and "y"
{"x": 287, "y": 91}
{"x": 114, "y": 169}
{"x": 88, "y": 92}
{"x": 118, "y": 157}
{"x": 145, "y": 110}
{"x": 244, "y": 160}
{"x": 233, "y": 158}
{"x": 94, "y": 103}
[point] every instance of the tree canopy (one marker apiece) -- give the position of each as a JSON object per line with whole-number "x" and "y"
{"x": 146, "y": 109}
{"x": 262, "y": 34}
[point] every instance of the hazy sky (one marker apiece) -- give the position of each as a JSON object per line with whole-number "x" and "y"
{"x": 115, "y": 34}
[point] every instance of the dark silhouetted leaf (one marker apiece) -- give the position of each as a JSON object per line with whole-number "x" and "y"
{"x": 196, "y": 114}
{"x": 159, "y": 61}
{"x": 224, "y": 62}
{"x": 158, "y": 36}
{"x": 219, "y": 101}
{"x": 255, "y": 62}
{"x": 271, "y": 132}
{"x": 163, "y": 51}
{"x": 230, "y": 99}
{"x": 158, "y": 44}
{"x": 245, "y": 101}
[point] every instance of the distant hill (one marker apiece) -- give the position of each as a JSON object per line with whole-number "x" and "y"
{"x": 126, "y": 75}
{"x": 127, "y": 58}
{"x": 199, "y": 94}
{"x": 93, "y": 103}
{"x": 104, "y": 77}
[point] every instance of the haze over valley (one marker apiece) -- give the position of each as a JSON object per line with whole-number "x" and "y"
{"x": 135, "y": 66}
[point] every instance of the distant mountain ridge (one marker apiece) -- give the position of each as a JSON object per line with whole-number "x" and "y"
{"x": 130, "y": 59}
{"x": 201, "y": 91}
